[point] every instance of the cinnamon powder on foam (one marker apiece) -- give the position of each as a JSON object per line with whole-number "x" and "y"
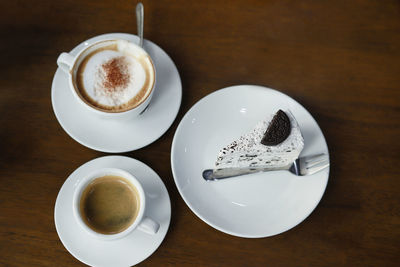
{"x": 116, "y": 74}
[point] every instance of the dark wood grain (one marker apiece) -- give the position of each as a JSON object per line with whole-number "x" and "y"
{"x": 340, "y": 59}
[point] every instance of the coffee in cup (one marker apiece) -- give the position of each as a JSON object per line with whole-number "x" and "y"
{"x": 111, "y": 77}
{"x": 110, "y": 203}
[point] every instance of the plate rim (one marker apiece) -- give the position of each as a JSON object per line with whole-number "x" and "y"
{"x": 173, "y": 145}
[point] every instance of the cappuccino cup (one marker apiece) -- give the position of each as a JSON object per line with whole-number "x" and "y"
{"x": 111, "y": 78}
{"x": 110, "y": 203}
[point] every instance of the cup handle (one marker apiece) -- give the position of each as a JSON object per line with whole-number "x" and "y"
{"x": 149, "y": 226}
{"x": 65, "y": 62}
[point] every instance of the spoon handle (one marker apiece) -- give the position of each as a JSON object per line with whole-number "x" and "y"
{"x": 218, "y": 174}
{"x": 139, "y": 21}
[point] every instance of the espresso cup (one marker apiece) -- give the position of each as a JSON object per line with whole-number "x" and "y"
{"x": 94, "y": 193}
{"x": 111, "y": 78}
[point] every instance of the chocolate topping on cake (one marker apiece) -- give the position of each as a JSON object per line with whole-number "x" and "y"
{"x": 278, "y": 129}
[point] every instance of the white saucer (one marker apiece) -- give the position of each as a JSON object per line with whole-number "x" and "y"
{"x": 129, "y": 250}
{"x": 116, "y": 137}
{"x": 257, "y": 205}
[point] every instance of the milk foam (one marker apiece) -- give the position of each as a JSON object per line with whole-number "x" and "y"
{"x": 93, "y": 76}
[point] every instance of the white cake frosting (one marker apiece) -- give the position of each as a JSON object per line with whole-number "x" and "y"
{"x": 94, "y": 75}
{"x": 247, "y": 151}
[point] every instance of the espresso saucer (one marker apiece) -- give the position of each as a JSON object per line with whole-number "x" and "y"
{"x": 116, "y": 136}
{"x": 129, "y": 250}
{"x": 256, "y": 205}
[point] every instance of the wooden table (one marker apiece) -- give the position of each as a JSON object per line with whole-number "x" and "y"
{"x": 340, "y": 59}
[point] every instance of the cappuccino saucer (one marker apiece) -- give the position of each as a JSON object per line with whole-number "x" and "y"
{"x": 116, "y": 136}
{"x": 129, "y": 250}
{"x": 255, "y": 205}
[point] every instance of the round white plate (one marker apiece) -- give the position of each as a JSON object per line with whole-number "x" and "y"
{"x": 117, "y": 137}
{"x": 127, "y": 251}
{"x": 257, "y": 205}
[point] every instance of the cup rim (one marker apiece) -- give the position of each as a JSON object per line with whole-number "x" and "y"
{"x": 92, "y": 107}
{"x": 84, "y": 182}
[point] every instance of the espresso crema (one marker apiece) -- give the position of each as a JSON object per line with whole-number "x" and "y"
{"x": 109, "y": 204}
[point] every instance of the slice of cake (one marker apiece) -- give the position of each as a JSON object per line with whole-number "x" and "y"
{"x": 274, "y": 142}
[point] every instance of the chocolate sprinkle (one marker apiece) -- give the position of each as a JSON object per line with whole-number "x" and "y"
{"x": 278, "y": 129}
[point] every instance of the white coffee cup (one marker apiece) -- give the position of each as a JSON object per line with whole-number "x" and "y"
{"x": 69, "y": 64}
{"x": 141, "y": 222}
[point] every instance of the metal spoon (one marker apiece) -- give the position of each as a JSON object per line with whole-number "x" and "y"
{"x": 139, "y": 21}
{"x": 302, "y": 166}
